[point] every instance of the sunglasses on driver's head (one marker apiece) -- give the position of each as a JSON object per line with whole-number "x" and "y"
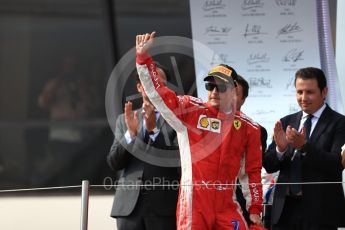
{"x": 221, "y": 88}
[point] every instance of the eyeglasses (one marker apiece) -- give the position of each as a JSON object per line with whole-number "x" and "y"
{"x": 221, "y": 88}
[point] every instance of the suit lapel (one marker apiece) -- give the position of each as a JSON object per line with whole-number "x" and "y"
{"x": 322, "y": 123}
{"x": 164, "y": 128}
{"x": 296, "y": 122}
{"x": 160, "y": 122}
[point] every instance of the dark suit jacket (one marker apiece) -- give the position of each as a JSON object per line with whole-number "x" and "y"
{"x": 323, "y": 204}
{"x": 132, "y": 159}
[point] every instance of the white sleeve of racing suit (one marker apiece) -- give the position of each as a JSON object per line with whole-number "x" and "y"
{"x": 164, "y": 99}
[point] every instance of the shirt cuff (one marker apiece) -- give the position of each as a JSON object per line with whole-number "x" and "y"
{"x": 128, "y": 137}
{"x": 154, "y": 136}
{"x": 280, "y": 154}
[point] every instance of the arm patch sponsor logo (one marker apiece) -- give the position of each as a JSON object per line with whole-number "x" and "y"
{"x": 155, "y": 76}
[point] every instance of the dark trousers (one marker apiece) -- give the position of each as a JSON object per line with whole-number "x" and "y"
{"x": 292, "y": 218}
{"x": 144, "y": 218}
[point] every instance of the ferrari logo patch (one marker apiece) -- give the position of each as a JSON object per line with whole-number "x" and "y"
{"x": 237, "y": 124}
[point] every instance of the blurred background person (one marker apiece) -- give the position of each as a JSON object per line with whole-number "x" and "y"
{"x": 70, "y": 99}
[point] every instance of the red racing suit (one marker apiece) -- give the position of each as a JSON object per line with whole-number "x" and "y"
{"x": 213, "y": 148}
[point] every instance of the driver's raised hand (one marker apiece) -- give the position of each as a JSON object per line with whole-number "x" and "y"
{"x": 144, "y": 42}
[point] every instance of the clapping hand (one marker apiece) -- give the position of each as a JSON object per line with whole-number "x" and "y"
{"x": 280, "y": 137}
{"x": 295, "y": 138}
{"x": 149, "y": 116}
{"x": 131, "y": 119}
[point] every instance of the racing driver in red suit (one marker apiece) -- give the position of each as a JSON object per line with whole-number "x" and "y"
{"x": 213, "y": 142}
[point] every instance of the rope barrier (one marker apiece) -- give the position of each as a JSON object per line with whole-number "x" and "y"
{"x": 162, "y": 185}
{"x": 214, "y": 184}
{"x": 38, "y": 189}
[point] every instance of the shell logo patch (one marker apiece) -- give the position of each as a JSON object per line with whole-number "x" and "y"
{"x": 209, "y": 124}
{"x": 204, "y": 122}
{"x": 237, "y": 124}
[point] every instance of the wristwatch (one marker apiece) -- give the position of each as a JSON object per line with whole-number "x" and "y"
{"x": 153, "y": 131}
{"x": 304, "y": 149}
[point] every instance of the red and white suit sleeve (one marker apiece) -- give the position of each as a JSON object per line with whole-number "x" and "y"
{"x": 164, "y": 99}
{"x": 172, "y": 109}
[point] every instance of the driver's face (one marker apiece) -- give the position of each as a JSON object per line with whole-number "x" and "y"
{"x": 223, "y": 101}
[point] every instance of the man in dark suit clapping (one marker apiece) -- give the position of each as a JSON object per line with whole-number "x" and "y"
{"x": 146, "y": 151}
{"x": 306, "y": 149}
